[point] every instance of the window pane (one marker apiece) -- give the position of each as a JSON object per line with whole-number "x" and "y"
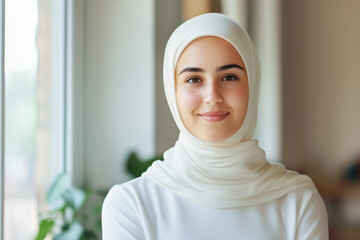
{"x": 33, "y": 110}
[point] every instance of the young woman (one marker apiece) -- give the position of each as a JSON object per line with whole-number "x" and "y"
{"x": 215, "y": 183}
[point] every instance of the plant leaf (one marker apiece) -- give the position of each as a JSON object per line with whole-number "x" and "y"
{"x": 56, "y": 190}
{"x": 75, "y": 197}
{"x": 135, "y": 166}
{"x": 88, "y": 235}
{"x": 97, "y": 208}
{"x": 45, "y": 228}
{"x": 73, "y": 233}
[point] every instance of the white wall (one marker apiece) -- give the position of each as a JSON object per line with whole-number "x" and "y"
{"x": 167, "y": 18}
{"x": 265, "y": 29}
{"x": 321, "y": 85}
{"x": 237, "y": 10}
{"x": 119, "y": 87}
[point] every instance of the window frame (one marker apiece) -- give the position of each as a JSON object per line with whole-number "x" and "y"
{"x": 2, "y": 97}
{"x": 72, "y": 92}
{"x": 74, "y": 135}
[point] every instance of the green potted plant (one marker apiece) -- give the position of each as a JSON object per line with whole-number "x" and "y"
{"x": 66, "y": 219}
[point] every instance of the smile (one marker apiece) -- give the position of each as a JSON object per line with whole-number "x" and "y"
{"x": 214, "y": 116}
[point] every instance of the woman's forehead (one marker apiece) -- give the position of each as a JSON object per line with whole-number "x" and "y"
{"x": 207, "y": 50}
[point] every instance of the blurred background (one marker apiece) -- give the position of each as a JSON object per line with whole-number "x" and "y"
{"x": 84, "y": 89}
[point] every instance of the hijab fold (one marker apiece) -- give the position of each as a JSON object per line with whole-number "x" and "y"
{"x": 231, "y": 173}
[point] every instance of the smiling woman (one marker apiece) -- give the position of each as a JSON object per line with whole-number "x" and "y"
{"x": 211, "y": 89}
{"x": 216, "y": 182}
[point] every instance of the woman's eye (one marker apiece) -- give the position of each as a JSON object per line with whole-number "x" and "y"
{"x": 230, "y": 78}
{"x": 193, "y": 80}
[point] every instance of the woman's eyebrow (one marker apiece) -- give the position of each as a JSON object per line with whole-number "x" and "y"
{"x": 191, "y": 69}
{"x": 222, "y": 68}
{"x": 225, "y": 67}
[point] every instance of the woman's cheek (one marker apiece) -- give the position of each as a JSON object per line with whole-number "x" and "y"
{"x": 241, "y": 93}
{"x": 190, "y": 99}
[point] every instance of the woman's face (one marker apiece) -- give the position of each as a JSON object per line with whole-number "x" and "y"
{"x": 212, "y": 89}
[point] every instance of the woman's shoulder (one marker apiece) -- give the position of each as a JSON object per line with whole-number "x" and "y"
{"x": 135, "y": 190}
{"x": 123, "y": 210}
{"x": 131, "y": 185}
{"x": 305, "y": 203}
{"x": 304, "y": 196}
{"x": 127, "y": 199}
{"x": 136, "y": 184}
{"x": 304, "y": 192}
{"x": 304, "y": 212}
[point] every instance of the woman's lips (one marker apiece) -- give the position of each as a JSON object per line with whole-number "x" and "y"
{"x": 214, "y": 116}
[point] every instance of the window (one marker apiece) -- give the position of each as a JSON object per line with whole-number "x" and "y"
{"x": 35, "y": 107}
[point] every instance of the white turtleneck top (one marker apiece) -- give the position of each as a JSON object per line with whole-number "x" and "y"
{"x": 142, "y": 209}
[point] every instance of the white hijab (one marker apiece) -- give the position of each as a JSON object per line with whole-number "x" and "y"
{"x": 226, "y": 174}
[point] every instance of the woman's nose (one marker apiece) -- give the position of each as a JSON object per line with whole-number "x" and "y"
{"x": 213, "y": 94}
